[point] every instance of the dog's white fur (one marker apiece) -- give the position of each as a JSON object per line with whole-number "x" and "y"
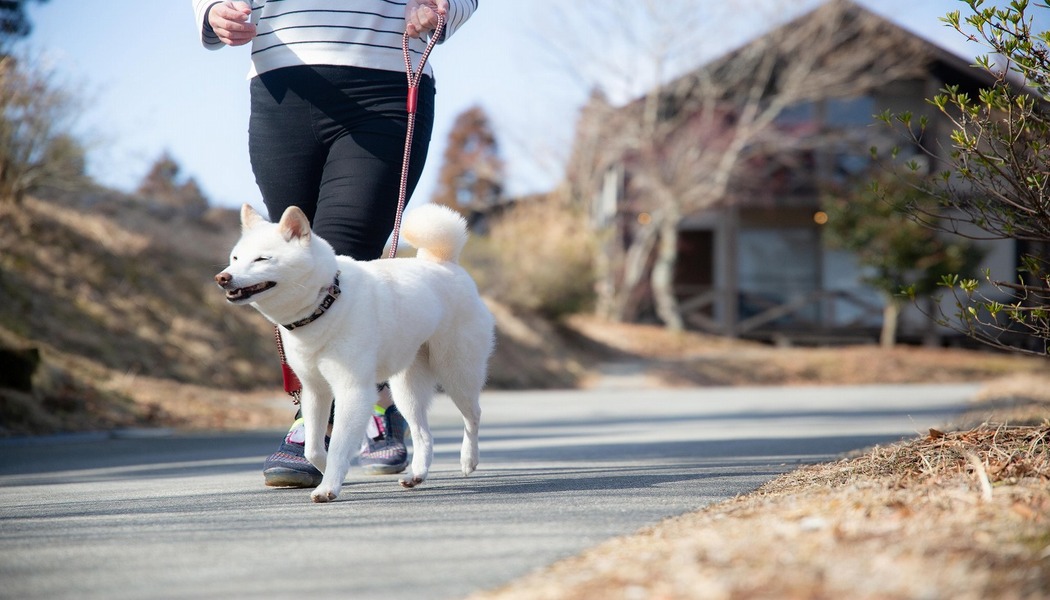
{"x": 416, "y": 322}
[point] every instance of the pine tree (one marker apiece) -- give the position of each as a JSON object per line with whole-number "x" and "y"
{"x": 14, "y": 24}
{"x": 161, "y": 187}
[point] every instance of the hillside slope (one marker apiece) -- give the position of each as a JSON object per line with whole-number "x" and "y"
{"x": 101, "y": 277}
{"x": 107, "y": 305}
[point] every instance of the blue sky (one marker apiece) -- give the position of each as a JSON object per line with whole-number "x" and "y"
{"x": 147, "y": 86}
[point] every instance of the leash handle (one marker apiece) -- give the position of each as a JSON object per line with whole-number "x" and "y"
{"x": 411, "y": 102}
{"x": 415, "y": 75}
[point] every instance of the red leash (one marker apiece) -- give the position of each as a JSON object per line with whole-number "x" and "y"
{"x": 414, "y": 78}
{"x": 292, "y": 385}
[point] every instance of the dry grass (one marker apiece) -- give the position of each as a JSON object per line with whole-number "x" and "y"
{"x": 692, "y": 359}
{"x": 537, "y": 257}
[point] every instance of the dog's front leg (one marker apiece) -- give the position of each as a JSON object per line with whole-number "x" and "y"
{"x": 316, "y": 406}
{"x": 353, "y": 407}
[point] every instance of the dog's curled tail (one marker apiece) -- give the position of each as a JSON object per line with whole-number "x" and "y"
{"x": 438, "y": 232}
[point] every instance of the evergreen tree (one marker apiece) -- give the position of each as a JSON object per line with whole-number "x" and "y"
{"x": 161, "y": 187}
{"x": 896, "y": 252}
{"x": 14, "y": 23}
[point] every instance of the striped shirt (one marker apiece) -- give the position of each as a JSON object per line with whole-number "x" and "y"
{"x": 357, "y": 33}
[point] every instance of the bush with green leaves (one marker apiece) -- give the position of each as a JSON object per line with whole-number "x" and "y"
{"x": 896, "y": 252}
{"x": 993, "y": 179}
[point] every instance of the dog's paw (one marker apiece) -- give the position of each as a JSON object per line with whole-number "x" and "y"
{"x": 322, "y": 494}
{"x": 411, "y": 483}
{"x": 468, "y": 466}
{"x": 468, "y": 456}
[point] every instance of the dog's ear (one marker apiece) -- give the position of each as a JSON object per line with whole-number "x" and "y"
{"x": 295, "y": 225}
{"x": 250, "y": 217}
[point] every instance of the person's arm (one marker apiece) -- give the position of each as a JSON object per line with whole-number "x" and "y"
{"x": 223, "y": 23}
{"x": 420, "y": 18}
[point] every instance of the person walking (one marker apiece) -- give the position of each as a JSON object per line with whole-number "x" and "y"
{"x": 326, "y": 133}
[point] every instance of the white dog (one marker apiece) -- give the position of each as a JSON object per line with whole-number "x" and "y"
{"x": 347, "y": 325}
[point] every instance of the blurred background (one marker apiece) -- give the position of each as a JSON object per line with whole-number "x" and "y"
{"x": 147, "y": 86}
{"x": 671, "y": 193}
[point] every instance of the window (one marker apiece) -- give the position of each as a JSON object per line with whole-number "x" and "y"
{"x": 849, "y": 112}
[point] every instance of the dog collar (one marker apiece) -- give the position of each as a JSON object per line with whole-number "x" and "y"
{"x": 326, "y": 303}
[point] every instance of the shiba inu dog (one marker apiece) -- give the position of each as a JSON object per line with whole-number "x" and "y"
{"x": 346, "y": 325}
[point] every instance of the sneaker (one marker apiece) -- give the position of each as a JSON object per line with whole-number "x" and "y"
{"x": 384, "y": 452}
{"x": 288, "y": 466}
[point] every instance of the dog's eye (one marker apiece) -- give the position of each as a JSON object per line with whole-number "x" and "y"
{"x": 261, "y": 258}
{"x": 233, "y": 259}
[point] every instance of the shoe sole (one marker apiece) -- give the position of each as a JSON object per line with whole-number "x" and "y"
{"x": 384, "y": 469}
{"x": 283, "y": 477}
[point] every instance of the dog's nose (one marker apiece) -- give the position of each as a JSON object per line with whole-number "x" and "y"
{"x": 223, "y": 279}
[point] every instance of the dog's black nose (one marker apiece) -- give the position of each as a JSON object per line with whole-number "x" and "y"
{"x": 223, "y": 279}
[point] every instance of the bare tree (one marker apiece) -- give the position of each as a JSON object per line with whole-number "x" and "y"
{"x": 36, "y": 115}
{"x": 688, "y": 140}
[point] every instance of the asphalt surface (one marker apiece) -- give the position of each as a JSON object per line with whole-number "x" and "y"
{"x": 149, "y": 515}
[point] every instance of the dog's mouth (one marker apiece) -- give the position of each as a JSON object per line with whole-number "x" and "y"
{"x": 244, "y": 293}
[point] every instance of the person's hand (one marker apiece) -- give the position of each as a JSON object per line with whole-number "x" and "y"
{"x": 230, "y": 22}
{"x": 421, "y": 15}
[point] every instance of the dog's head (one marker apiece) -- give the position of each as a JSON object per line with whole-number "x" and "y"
{"x": 267, "y": 255}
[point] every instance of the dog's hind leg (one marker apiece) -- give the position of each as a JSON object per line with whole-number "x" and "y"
{"x": 467, "y": 400}
{"x": 413, "y": 390}
{"x": 461, "y": 371}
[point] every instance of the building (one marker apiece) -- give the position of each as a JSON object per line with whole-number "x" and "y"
{"x": 771, "y": 128}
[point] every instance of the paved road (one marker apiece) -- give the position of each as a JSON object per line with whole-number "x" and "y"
{"x": 187, "y": 516}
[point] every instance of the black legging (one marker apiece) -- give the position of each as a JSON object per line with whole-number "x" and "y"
{"x": 330, "y": 140}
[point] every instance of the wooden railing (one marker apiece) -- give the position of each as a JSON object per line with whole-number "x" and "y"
{"x": 700, "y": 308}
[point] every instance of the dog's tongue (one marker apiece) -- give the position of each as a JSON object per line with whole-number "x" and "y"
{"x": 247, "y": 292}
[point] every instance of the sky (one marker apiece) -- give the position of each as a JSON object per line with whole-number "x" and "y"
{"x": 147, "y": 86}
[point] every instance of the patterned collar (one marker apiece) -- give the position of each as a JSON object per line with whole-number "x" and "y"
{"x": 326, "y": 303}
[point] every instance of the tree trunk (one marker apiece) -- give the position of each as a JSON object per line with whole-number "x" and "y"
{"x": 662, "y": 277}
{"x": 605, "y": 278}
{"x": 622, "y": 275}
{"x": 890, "y": 315}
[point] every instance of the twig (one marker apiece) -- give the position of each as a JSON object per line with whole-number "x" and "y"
{"x": 982, "y": 476}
